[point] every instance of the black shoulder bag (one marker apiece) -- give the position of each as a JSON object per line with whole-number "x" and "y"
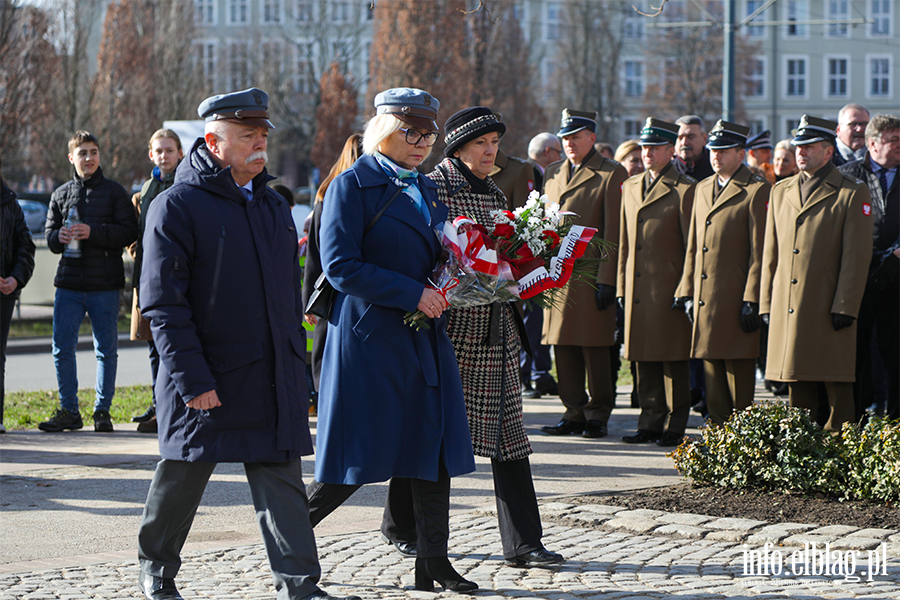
{"x": 322, "y": 298}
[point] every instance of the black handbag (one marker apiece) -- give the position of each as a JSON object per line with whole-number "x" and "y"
{"x": 322, "y": 298}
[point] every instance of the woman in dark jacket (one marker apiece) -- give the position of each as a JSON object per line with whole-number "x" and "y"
{"x": 487, "y": 343}
{"x": 390, "y": 404}
{"x": 16, "y": 267}
{"x": 312, "y": 269}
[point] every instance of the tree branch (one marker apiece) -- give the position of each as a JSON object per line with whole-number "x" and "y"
{"x": 481, "y": 6}
{"x": 656, "y": 14}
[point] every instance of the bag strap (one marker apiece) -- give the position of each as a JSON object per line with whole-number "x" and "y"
{"x": 381, "y": 212}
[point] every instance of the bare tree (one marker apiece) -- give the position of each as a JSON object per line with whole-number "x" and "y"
{"x": 335, "y": 117}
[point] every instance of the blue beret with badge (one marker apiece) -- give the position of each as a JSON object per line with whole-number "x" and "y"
{"x": 247, "y": 107}
{"x": 574, "y": 121}
{"x": 813, "y": 129}
{"x": 411, "y": 105}
{"x": 727, "y": 135}
{"x": 658, "y": 133}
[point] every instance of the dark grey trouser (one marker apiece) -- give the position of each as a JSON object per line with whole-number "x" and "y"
{"x": 281, "y": 509}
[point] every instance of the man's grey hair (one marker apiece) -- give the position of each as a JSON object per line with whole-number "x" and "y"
{"x": 539, "y": 143}
{"x": 691, "y": 120}
{"x": 880, "y": 124}
{"x": 852, "y": 106}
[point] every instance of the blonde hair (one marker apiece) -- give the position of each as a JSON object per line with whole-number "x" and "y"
{"x": 348, "y": 156}
{"x": 626, "y": 148}
{"x": 378, "y": 129}
{"x": 164, "y": 133}
{"x": 785, "y": 145}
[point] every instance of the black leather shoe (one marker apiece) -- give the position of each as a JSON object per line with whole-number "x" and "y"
{"x": 641, "y": 437}
{"x": 429, "y": 570}
{"x": 149, "y": 414}
{"x": 594, "y": 429}
{"x": 535, "y": 558}
{"x": 669, "y": 439}
{"x": 529, "y": 391}
{"x": 151, "y": 426}
{"x": 157, "y": 588}
{"x": 404, "y": 548}
{"x": 564, "y": 427}
{"x": 551, "y": 388}
{"x": 320, "y": 595}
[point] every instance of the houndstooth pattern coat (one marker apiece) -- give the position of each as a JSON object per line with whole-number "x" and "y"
{"x": 490, "y": 373}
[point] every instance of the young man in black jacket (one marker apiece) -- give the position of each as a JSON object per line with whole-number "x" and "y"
{"x": 89, "y": 280}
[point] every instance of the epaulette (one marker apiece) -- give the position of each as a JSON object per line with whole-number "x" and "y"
{"x": 614, "y": 161}
{"x": 516, "y": 159}
{"x": 785, "y": 180}
{"x": 758, "y": 178}
{"x": 688, "y": 178}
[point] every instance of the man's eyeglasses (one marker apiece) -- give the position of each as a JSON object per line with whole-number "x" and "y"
{"x": 413, "y": 137}
{"x": 557, "y": 150}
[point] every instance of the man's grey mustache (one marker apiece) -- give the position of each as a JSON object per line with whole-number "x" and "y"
{"x": 256, "y": 156}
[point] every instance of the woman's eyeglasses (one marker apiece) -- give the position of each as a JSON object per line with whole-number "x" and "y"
{"x": 413, "y": 137}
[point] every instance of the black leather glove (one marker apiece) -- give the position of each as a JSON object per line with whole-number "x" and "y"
{"x": 621, "y": 302}
{"x": 765, "y": 319}
{"x": 886, "y": 274}
{"x": 750, "y": 317}
{"x": 605, "y": 296}
{"x": 841, "y": 321}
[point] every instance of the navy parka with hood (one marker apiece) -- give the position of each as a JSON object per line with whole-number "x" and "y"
{"x": 221, "y": 288}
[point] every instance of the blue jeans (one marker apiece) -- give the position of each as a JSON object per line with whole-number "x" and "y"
{"x": 69, "y": 309}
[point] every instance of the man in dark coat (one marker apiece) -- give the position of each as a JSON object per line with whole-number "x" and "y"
{"x": 89, "y": 222}
{"x": 878, "y": 169}
{"x": 221, "y": 288}
{"x": 691, "y": 156}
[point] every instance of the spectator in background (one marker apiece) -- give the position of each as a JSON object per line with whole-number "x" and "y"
{"x": 605, "y": 150}
{"x": 628, "y": 154}
{"x": 691, "y": 156}
{"x": 165, "y": 154}
{"x": 544, "y": 149}
{"x": 514, "y": 177}
{"x": 88, "y": 283}
{"x": 16, "y": 267}
{"x": 851, "y": 134}
{"x": 785, "y": 163}
{"x": 759, "y": 155}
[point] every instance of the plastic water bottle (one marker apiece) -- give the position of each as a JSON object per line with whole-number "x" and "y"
{"x": 73, "y": 248}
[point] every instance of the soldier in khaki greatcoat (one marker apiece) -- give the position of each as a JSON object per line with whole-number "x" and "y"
{"x": 514, "y": 177}
{"x": 815, "y": 263}
{"x": 656, "y": 213}
{"x": 582, "y": 328}
{"x": 720, "y": 284}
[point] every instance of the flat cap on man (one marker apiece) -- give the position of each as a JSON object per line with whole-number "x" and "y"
{"x": 411, "y": 105}
{"x": 727, "y": 135}
{"x": 574, "y": 121}
{"x": 247, "y": 107}
{"x": 813, "y": 129}
{"x": 658, "y": 133}
{"x": 761, "y": 141}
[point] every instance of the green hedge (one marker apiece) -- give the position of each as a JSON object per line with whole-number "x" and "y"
{"x": 773, "y": 446}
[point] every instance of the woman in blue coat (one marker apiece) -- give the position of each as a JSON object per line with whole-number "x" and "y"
{"x": 391, "y": 402}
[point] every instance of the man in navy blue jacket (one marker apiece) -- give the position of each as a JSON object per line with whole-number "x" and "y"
{"x": 220, "y": 286}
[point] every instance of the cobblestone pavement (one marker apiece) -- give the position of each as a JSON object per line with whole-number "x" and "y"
{"x": 610, "y": 552}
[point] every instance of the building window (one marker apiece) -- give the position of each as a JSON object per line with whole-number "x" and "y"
{"x": 879, "y": 76}
{"x": 756, "y": 31}
{"x": 238, "y": 12}
{"x": 795, "y": 73}
{"x": 633, "y": 28}
{"x": 272, "y": 57}
{"x": 791, "y": 126}
{"x": 340, "y": 11}
{"x": 756, "y": 77}
{"x": 756, "y": 126}
{"x": 303, "y": 11}
{"x": 368, "y": 9}
{"x": 797, "y": 10}
{"x": 238, "y": 65}
{"x": 880, "y": 15}
{"x": 554, "y": 20}
{"x": 838, "y": 10}
{"x": 205, "y": 12}
{"x": 271, "y": 10}
{"x": 632, "y": 128}
{"x": 836, "y": 77}
{"x": 206, "y": 60}
{"x": 303, "y": 84}
{"x": 634, "y": 78}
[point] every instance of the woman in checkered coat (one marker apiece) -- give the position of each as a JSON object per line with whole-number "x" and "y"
{"x": 487, "y": 343}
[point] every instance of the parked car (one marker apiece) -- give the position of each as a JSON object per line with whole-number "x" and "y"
{"x": 35, "y": 215}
